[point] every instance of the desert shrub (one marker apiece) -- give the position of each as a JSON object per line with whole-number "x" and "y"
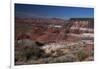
{"x": 47, "y": 60}
{"x": 32, "y": 52}
{"x": 19, "y": 56}
{"x": 81, "y": 55}
{"x": 65, "y": 58}
{"x": 92, "y": 53}
{"x": 28, "y": 53}
{"x": 39, "y": 43}
{"x": 60, "y": 59}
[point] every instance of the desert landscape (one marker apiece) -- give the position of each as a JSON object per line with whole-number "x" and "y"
{"x": 42, "y": 40}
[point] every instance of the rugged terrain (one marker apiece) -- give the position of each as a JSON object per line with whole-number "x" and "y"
{"x": 53, "y": 40}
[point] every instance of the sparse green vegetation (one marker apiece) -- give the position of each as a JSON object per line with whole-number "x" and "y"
{"x": 81, "y": 55}
{"x": 28, "y": 53}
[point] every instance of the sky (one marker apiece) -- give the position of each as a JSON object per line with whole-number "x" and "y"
{"x": 46, "y": 11}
